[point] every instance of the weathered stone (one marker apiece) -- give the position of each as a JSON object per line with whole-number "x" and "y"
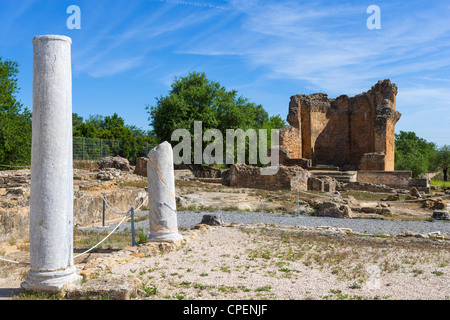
{"x": 16, "y": 192}
{"x": 332, "y": 209}
{"x": 392, "y": 197}
{"x": 116, "y": 162}
{"x": 109, "y": 174}
{"x": 141, "y": 166}
{"x": 440, "y": 215}
{"x": 109, "y": 287}
{"x": 315, "y": 184}
{"x": 247, "y": 176}
{"x": 212, "y": 219}
{"x": 436, "y": 204}
{"x": 378, "y": 210}
{"x": 415, "y": 192}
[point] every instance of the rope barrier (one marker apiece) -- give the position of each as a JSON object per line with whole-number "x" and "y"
{"x": 11, "y": 261}
{"x": 103, "y": 240}
{"x": 92, "y": 248}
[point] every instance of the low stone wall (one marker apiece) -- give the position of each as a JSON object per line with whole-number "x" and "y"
{"x": 86, "y": 164}
{"x": 369, "y": 187}
{"x": 88, "y": 208}
{"x": 389, "y": 178}
{"x": 394, "y": 179}
{"x": 247, "y": 176}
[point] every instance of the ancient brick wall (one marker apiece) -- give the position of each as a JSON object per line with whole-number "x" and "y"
{"x": 341, "y": 131}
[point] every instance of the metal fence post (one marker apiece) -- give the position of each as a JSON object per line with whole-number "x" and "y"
{"x": 298, "y": 204}
{"x": 83, "y": 148}
{"x": 133, "y": 241}
{"x": 104, "y": 207}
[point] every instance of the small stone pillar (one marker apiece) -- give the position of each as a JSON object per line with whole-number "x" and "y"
{"x": 51, "y": 201}
{"x": 161, "y": 195}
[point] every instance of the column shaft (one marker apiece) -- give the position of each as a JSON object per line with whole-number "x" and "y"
{"x": 161, "y": 195}
{"x": 51, "y": 200}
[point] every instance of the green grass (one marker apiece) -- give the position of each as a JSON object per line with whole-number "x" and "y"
{"x": 440, "y": 183}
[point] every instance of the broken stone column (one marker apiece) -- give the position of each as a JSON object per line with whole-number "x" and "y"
{"x": 51, "y": 197}
{"x": 161, "y": 195}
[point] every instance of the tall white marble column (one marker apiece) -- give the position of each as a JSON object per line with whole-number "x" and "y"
{"x": 161, "y": 195}
{"x": 51, "y": 202}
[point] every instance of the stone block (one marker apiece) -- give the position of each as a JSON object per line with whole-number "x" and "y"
{"x": 441, "y": 215}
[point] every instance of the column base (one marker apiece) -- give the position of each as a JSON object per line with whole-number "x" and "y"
{"x": 52, "y": 280}
{"x": 160, "y": 236}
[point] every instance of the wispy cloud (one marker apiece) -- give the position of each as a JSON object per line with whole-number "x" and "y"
{"x": 140, "y": 36}
{"x": 301, "y": 40}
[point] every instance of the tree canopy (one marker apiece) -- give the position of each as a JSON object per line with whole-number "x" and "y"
{"x": 132, "y": 139}
{"x": 15, "y": 121}
{"x": 414, "y": 154}
{"x": 442, "y": 160}
{"x": 195, "y": 98}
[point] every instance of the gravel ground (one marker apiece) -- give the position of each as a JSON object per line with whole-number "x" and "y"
{"x": 188, "y": 219}
{"x": 229, "y": 263}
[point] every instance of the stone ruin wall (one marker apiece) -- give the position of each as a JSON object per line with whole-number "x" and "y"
{"x": 247, "y": 176}
{"x": 350, "y": 132}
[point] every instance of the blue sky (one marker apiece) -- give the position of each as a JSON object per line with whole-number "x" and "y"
{"x": 127, "y": 53}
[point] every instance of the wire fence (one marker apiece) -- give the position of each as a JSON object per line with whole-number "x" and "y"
{"x": 96, "y": 148}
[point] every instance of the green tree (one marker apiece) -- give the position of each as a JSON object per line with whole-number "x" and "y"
{"x": 442, "y": 160}
{"x": 413, "y": 153}
{"x": 15, "y": 121}
{"x": 195, "y": 98}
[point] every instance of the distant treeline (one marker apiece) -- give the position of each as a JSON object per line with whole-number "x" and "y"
{"x": 192, "y": 98}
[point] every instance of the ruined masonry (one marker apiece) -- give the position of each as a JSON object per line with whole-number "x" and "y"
{"x": 350, "y": 139}
{"x": 354, "y": 133}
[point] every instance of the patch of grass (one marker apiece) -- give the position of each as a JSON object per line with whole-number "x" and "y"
{"x": 86, "y": 240}
{"x": 149, "y": 290}
{"x": 134, "y": 184}
{"x": 440, "y": 183}
{"x": 35, "y": 295}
